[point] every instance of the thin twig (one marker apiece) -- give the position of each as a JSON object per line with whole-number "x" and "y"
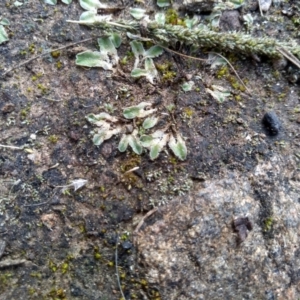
{"x": 11, "y": 262}
{"x": 289, "y": 56}
{"x": 147, "y": 215}
{"x": 259, "y": 5}
{"x": 183, "y": 55}
{"x": 53, "y": 100}
{"x": 43, "y": 54}
{"x": 117, "y": 270}
{"x": 200, "y": 59}
{"x": 12, "y": 147}
{"x": 233, "y": 69}
{"x": 131, "y": 170}
{"x": 37, "y": 204}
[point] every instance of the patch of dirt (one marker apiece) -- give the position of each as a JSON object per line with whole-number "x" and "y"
{"x": 67, "y": 240}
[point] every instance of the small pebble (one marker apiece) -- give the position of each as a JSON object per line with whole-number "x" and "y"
{"x": 126, "y": 245}
{"x": 242, "y": 226}
{"x": 271, "y": 123}
{"x": 265, "y": 5}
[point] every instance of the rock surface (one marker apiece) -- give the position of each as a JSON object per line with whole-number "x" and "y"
{"x": 192, "y": 251}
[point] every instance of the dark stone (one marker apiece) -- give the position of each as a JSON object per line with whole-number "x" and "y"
{"x": 241, "y": 226}
{"x": 76, "y": 291}
{"x": 230, "y": 21}
{"x": 271, "y": 123}
{"x": 126, "y": 245}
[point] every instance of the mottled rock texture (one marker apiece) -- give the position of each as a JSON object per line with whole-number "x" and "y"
{"x": 192, "y": 251}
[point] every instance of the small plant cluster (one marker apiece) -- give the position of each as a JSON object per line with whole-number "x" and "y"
{"x": 139, "y": 138}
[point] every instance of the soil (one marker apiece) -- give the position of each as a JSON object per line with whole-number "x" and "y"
{"x": 61, "y": 244}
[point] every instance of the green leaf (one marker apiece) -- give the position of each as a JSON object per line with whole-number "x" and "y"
{"x": 92, "y": 118}
{"x": 131, "y": 112}
{"x": 137, "y": 13}
{"x": 137, "y": 37}
{"x": 4, "y": 22}
{"x": 91, "y": 18}
{"x": 154, "y": 151}
{"x": 138, "y": 50}
{"x": 107, "y": 47}
{"x": 136, "y": 73}
{"x": 219, "y": 93}
{"x": 178, "y": 147}
{"x": 66, "y": 1}
{"x": 51, "y": 2}
{"x": 93, "y": 59}
{"x": 160, "y": 18}
{"x": 236, "y": 3}
{"x": 158, "y": 143}
{"x": 98, "y": 139}
{"x": 3, "y": 35}
{"x": 187, "y": 86}
{"x": 123, "y": 144}
{"x": 150, "y": 122}
{"x": 88, "y": 16}
{"x": 151, "y": 70}
{"x": 154, "y": 51}
{"x": 146, "y": 140}
{"x": 116, "y": 39}
{"x": 137, "y": 111}
{"x": 163, "y": 3}
{"x": 191, "y": 22}
{"x": 91, "y": 4}
{"x": 135, "y": 144}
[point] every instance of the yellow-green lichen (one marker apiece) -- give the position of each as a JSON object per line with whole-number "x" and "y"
{"x": 55, "y": 54}
{"x": 268, "y": 223}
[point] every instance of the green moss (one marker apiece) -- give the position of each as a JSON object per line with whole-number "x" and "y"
{"x": 235, "y": 83}
{"x": 296, "y": 20}
{"x": 223, "y": 71}
{"x": 55, "y": 54}
{"x": 238, "y": 98}
{"x": 4, "y": 279}
{"x": 23, "y": 52}
{"x": 64, "y": 267}
{"x": 188, "y": 111}
{"x": 82, "y": 228}
{"x": 42, "y": 88}
{"x": 36, "y": 275}
{"x": 24, "y": 112}
{"x": 124, "y": 60}
{"x": 31, "y": 291}
{"x": 31, "y": 48}
{"x": 268, "y": 224}
{"x": 166, "y": 71}
{"x": 52, "y": 266}
{"x": 130, "y": 179}
{"x": 59, "y": 65}
{"x": 57, "y": 294}
{"x": 97, "y": 254}
{"x": 110, "y": 263}
{"x": 53, "y": 139}
{"x": 173, "y": 18}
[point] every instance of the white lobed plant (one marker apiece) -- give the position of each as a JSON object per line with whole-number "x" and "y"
{"x": 3, "y": 33}
{"x": 138, "y": 138}
{"x": 106, "y": 58}
{"x": 54, "y": 2}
